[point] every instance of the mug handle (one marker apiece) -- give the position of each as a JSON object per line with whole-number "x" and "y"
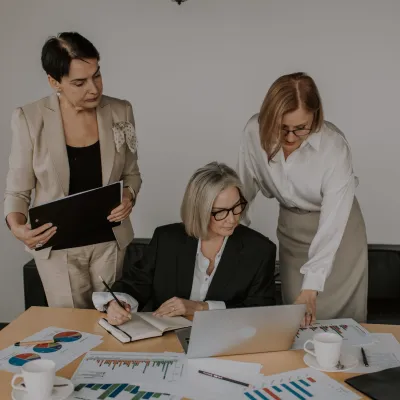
{"x": 307, "y": 350}
{"x": 18, "y": 387}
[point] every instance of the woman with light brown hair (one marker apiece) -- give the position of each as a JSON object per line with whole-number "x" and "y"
{"x": 290, "y": 153}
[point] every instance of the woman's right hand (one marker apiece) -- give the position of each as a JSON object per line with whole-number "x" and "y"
{"x": 117, "y": 315}
{"x": 34, "y": 238}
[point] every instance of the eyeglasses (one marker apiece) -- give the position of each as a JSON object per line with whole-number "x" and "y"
{"x": 236, "y": 210}
{"x": 297, "y": 132}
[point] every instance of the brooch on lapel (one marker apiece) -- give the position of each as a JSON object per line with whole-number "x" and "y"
{"x": 124, "y": 132}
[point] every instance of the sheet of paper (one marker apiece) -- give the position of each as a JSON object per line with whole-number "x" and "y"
{"x": 301, "y": 384}
{"x": 68, "y": 346}
{"x": 351, "y": 332}
{"x": 157, "y": 369}
{"x": 382, "y": 354}
{"x": 202, "y": 387}
{"x": 118, "y": 391}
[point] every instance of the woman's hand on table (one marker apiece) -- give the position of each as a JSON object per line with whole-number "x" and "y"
{"x": 177, "y": 306}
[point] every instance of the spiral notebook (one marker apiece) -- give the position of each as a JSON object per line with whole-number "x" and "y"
{"x": 144, "y": 325}
{"x": 78, "y": 216}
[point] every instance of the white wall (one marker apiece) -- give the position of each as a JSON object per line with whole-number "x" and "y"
{"x": 195, "y": 73}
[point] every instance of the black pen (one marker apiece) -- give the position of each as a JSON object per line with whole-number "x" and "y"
{"x": 223, "y": 378}
{"x": 364, "y": 357}
{"x": 112, "y": 293}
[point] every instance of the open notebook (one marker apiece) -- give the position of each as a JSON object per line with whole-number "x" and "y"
{"x": 144, "y": 325}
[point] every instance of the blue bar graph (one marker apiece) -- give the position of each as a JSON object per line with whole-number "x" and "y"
{"x": 289, "y": 389}
{"x": 261, "y": 395}
{"x": 297, "y": 386}
{"x": 301, "y": 389}
{"x": 117, "y": 391}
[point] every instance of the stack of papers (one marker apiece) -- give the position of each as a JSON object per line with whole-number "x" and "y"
{"x": 382, "y": 353}
{"x": 171, "y": 376}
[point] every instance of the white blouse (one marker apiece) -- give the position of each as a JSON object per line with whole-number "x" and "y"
{"x": 200, "y": 285}
{"x": 318, "y": 176}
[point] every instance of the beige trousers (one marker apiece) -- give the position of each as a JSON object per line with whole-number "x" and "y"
{"x": 346, "y": 289}
{"x": 70, "y": 276}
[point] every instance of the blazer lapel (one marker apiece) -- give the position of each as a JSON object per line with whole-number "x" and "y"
{"x": 106, "y": 137}
{"x": 227, "y": 267}
{"x": 185, "y": 267}
{"x": 54, "y": 136}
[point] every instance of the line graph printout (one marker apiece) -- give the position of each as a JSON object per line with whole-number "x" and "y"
{"x": 106, "y": 367}
{"x": 301, "y": 384}
{"x": 351, "y": 332}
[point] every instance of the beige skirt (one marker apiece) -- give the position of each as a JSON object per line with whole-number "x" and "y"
{"x": 346, "y": 288}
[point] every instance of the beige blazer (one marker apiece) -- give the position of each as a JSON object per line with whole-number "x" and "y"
{"x": 39, "y": 159}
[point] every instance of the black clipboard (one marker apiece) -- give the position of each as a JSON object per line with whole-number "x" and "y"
{"x": 79, "y": 215}
{"x": 382, "y": 385}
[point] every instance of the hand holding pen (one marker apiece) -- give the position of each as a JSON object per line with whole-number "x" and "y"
{"x": 117, "y": 311}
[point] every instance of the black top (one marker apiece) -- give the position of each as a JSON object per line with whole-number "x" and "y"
{"x": 85, "y": 174}
{"x": 244, "y": 277}
{"x": 84, "y": 168}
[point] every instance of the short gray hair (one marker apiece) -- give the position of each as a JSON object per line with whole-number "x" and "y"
{"x": 203, "y": 188}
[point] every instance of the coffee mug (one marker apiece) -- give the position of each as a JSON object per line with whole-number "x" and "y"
{"x": 38, "y": 378}
{"x": 326, "y": 349}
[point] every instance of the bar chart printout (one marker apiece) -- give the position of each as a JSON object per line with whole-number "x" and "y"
{"x": 351, "y": 332}
{"x": 105, "y": 367}
{"x": 118, "y": 391}
{"x": 302, "y": 384}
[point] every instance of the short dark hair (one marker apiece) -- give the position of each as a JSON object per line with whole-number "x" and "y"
{"x": 60, "y": 50}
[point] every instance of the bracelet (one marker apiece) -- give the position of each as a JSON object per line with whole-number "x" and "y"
{"x": 132, "y": 192}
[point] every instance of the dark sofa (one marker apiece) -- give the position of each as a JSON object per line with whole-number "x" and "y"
{"x": 384, "y": 281}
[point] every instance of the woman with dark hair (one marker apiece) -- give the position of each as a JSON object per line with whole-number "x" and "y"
{"x": 72, "y": 141}
{"x": 290, "y": 153}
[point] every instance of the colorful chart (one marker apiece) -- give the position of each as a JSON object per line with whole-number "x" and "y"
{"x": 299, "y": 390}
{"x": 69, "y": 336}
{"x": 349, "y": 330}
{"x": 112, "y": 363}
{"x": 106, "y": 366}
{"x": 339, "y": 329}
{"x": 301, "y": 384}
{"x": 22, "y": 359}
{"x": 47, "y": 347}
{"x": 121, "y": 391}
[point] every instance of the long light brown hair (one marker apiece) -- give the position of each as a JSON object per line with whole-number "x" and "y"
{"x": 287, "y": 94}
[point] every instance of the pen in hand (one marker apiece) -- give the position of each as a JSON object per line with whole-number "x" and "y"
{"x": 364, "y": 357}
{"x": 112, "y": 293}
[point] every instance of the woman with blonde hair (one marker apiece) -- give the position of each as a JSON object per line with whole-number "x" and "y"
{"x": 207, "y": 262}
{"x": 290, "y": 153}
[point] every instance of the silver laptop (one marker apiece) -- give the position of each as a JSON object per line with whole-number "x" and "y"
{"x": 241, "y": 331}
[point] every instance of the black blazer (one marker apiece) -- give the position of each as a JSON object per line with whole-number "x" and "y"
{"x": 244, "y": 276}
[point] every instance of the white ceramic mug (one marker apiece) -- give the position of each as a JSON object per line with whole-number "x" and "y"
{"x": 326, "y": 349}
{"x": 38, "y": 378}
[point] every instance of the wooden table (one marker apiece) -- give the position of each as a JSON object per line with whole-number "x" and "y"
{"x": 38, "y": 318}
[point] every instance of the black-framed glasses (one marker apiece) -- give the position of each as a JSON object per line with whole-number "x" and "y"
{"x": 236, "y": 210}
{"x": 299, "y": 132}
